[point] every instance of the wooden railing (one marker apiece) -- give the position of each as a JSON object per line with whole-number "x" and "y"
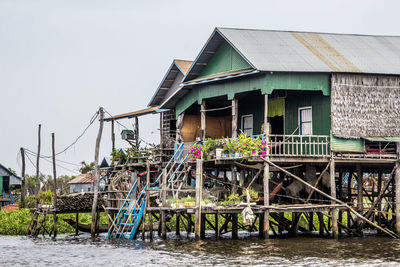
{"x": 299, "y": 145}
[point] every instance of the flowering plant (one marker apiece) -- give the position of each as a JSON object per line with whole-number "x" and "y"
{"x": 195, "y": 151}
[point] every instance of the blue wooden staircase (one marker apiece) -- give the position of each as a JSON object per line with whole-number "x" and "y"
{"x": 130, "y": 215}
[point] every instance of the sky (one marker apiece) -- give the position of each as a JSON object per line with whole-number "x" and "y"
{"x": 61, "y": 60}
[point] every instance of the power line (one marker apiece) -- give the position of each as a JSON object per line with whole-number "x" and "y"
{"x": 58, "y": 165}
{"x": 76, "y": 140}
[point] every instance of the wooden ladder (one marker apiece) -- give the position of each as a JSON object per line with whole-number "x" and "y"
{"x": 38, "y": 223}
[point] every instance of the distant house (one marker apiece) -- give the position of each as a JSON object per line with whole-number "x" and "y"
{"x": 85, "y": 183}
{"x": 82, "y": 183}
{"x": 8, "y": 181}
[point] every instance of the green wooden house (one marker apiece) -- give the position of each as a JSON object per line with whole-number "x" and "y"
{"x": 324, "y": 92}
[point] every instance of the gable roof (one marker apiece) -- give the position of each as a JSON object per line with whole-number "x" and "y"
{"x": 10, "y": 173}
{"x": 85, "y": 178}
{"x": 288, "y": 51}
{"x": 171, "y": 81}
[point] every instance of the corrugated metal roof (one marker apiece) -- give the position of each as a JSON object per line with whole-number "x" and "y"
{"x": 85, "y": 178}
{"x": 316, "y": 52}
{"x": 134, "y": 114}
{"x": 170, "y": 82}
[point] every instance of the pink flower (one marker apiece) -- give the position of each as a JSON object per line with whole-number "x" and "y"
{"x": 269, "y": 146}
{"x": 262, "y": 142}
{"x": 263, "y": 153}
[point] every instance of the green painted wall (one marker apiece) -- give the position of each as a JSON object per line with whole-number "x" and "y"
{"x": 320, "y": 111}
{"x": 264, "y": 82}
{"x": 252, "y": 104}
{"x": 225, "y": 59}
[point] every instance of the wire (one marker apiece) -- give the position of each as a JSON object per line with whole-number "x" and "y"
{"x": 76, "y": 140}
{"x": 58, "y": 165}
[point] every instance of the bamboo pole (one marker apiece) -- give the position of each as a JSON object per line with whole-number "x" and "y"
{"x": 55, "y": 185}
{"x": 333, "y": 194}
{"x": 97, "y": 172}
{"x": 390, "y": 233}
{"x": 23, "y": 178}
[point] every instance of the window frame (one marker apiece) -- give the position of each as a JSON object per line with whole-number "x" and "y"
{"x": 242, "y": 122}
{"x": 300, "y": 109}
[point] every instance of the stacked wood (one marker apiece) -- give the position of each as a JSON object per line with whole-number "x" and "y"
{"x": 79, "y": 202}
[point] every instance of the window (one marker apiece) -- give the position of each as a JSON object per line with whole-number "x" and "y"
{"x": 305, "y": 121}
{"x": 247, "y": 124}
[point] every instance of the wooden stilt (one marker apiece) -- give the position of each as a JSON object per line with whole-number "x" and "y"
{"x": 203, "y": 226}
{"x": 151, "y": 226}
{"x": 199, "y": 185}
{"x": 163, "y": 216}
{"x": 54, "y": 186}
{"x": 261, "y": 225}
{"x": 321, "y": 224}
{"x": 266, "y": 200}
{"x": 234, "y": 226}
{"x": 216, "y": 219}
{"x": 397, "y": 196}
{"x": 359, "y": 194}
{"x": 333, "y": 194}
{"x": 177, "y": 225}
{"x": 311, "y": 222}
{"x": 189, "y": 224}
{"x": 77, "y": 221}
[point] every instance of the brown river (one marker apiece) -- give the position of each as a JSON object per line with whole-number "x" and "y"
{"x": 182, "y": 251}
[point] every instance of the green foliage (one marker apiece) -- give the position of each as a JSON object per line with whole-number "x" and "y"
{"x": 231, "y": 199}
{"x": 46, "y": 197}
{"x": 86, "y": 167}
{"x": 16, "y": 222}
{"x": 253, "y": 194}
{"x": 117, "y": 155}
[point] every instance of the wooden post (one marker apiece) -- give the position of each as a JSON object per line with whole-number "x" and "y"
{"x": 333, "y": 194}
{"x": 359, "y": 193}
{"x": 189, "y": 223}
{"x": 23, "y": 178}
{"x": 234, "y": 179}
{"x": 77, "y": 221}
{"x": 234, "y": 226}
{"x": 203, "y": 120}
{"x": 164, "y": 204}
{"x": 261, "y": 224}
{"x": 397, "y": 192}
{"x": 216, "y": 219}
{"x": 234, "y": 117}
{"x": 96, "y": 172}
{"x": 151, "y": 226}
{"x": 137, "y": 132}
{"x": 203, "y": 226}
{"x": 321, "y": 224}
{"x": 147, "y": 198}
{"x": 37, "y": 166}
{"x": 266, "y": 170}
{"x": 112, "y": 136}
{"x": 177, "y": 225}
{"x": 199, "y": 185}
{"x": 55, "y": 185}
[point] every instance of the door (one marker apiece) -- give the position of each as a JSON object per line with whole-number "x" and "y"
{"x": 305, "y": 121}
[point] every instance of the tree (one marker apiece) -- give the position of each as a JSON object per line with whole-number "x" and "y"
{"x": 86, "y": 167}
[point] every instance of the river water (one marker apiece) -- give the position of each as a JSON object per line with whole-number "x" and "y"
{"x": 181, "y": 251}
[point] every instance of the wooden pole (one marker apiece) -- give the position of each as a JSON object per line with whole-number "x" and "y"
{"x": 97, "y": 172}
{"x": 37, "y": 167}
{"x": 163, "y": 217}
{"x": 390, "y": 233}
{"x": 235, "y": 226}
{"x": 333, "y": 194}
{"x": 199, "y": 184}
{"x": 137, "y": 132}
{"x": 23, "y": 178}
{"x": 203, "y": 119}
{"x": 234, "y": 117}
{"x": 147, "y": 198}
{"x": 359, "y": 193}
{"x": 266, "y": 170}
{"x": 397, "y": 192}
{"x": 55, "y": 185}
{"x": 112, "y": 136}
{"x": 77, "y": 221}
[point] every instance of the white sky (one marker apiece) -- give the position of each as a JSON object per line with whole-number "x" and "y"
{"x": 61, "y": 60}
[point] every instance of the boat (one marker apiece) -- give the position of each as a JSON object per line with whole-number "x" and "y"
{"x": 103, "y": 228}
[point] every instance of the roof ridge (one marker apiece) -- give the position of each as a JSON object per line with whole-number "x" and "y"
{"x": 316, "y": 32}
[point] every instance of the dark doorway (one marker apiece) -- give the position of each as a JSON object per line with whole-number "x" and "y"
{"x": 277, "y": 124}
{"x": 6, "y": 184}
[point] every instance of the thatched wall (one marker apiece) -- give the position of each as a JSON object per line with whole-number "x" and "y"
{"x": 365, "y": 105}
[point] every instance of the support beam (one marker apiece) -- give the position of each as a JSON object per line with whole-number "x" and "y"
{"x": 163, "y": 216}
{"x": 216, "y": 225}
{"x": 235, "y": 108}
{"x": 23, "y": 178}
{"x": 199, "y": 185}
{"x": 333, "y": 194}
{"x": 359, "y": 194}
{"x": 203, "y": 120}
{"x": 177, "y": 225}
{"x": 266, "y": 169}
{"x": 54, "y": 186}
{"x": 97, "y": 172}
{"x": 137, "y": 132}
{"x": 203, "y": 226}
{"x": 112, "y": 136}
{"x": 235, "y": 226}
{"x": 397, "y": 197}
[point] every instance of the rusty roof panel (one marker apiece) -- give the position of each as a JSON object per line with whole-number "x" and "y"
{"x": 316, "y": 52}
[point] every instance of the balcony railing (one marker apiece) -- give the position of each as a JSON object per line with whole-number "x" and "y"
{"x": 299, "y": 145}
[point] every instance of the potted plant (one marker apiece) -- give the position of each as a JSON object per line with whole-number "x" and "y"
{"x": 195, "y": 151}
